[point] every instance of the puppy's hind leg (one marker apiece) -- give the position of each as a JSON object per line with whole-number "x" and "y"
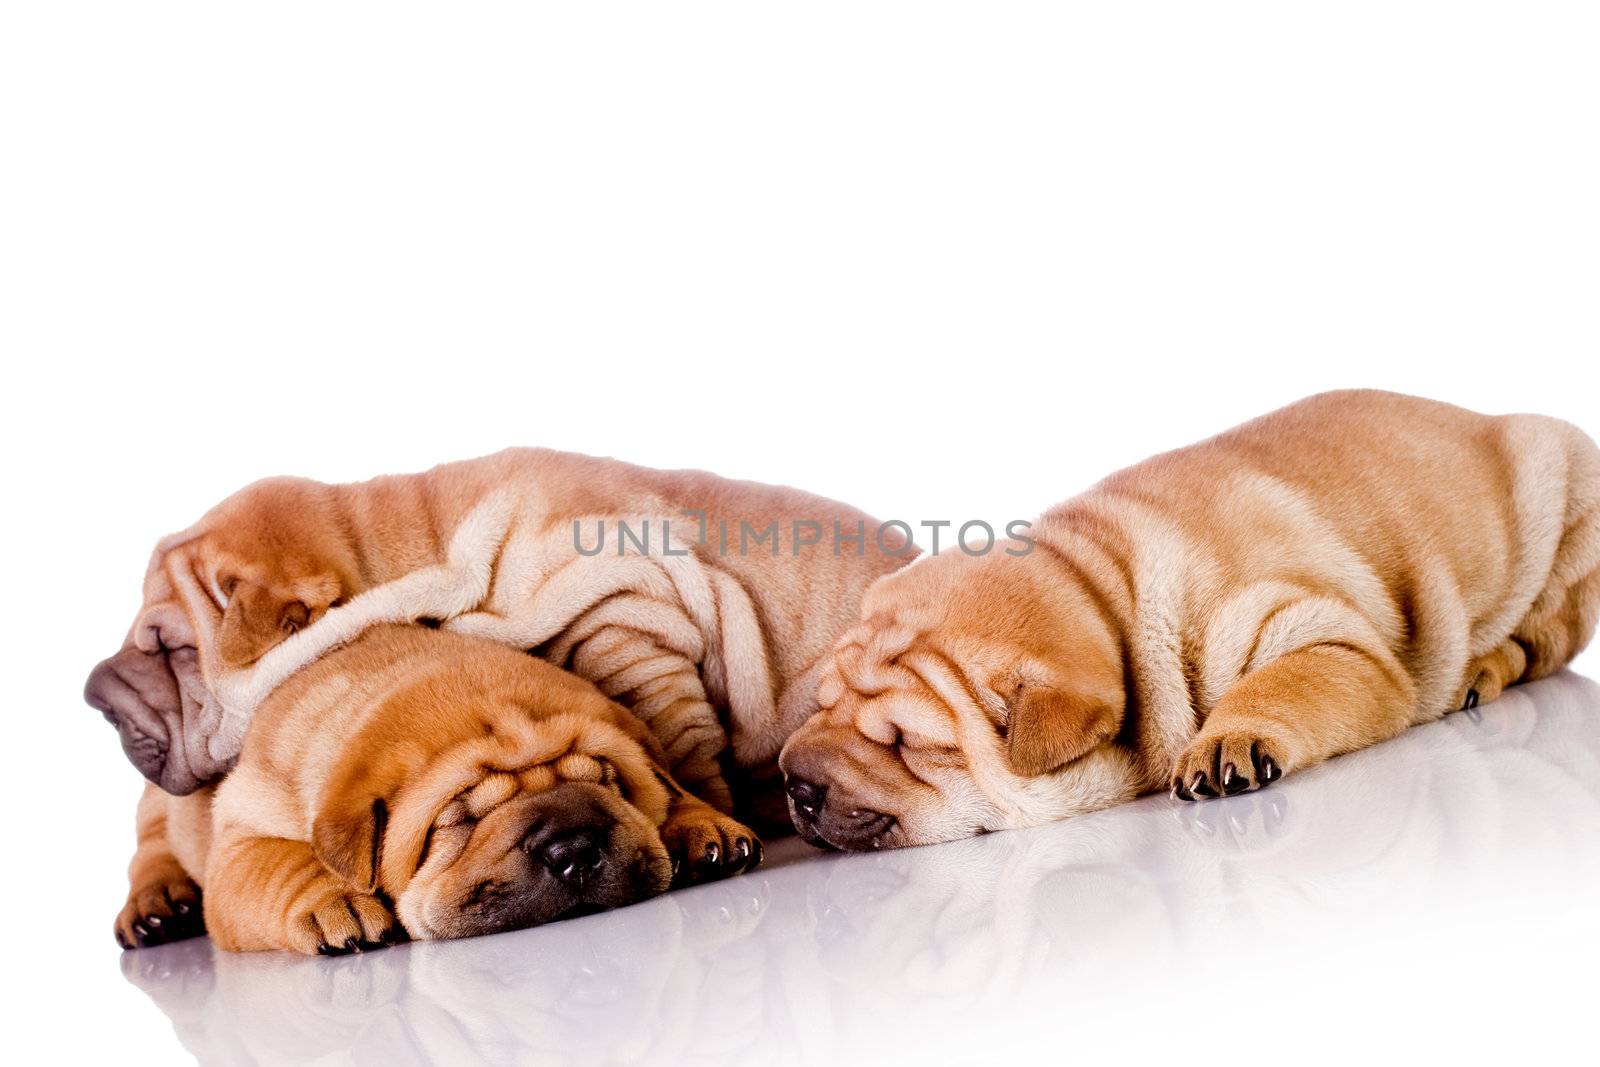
{"x": 1562, "y": 618}
{"x": 664, "y": 688}
{"x": 163, "y": 900}
{"x": 1295, "y": 711}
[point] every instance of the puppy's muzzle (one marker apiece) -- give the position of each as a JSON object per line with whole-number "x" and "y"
{"x": 571, "y": 856}
{"x": 579, "y": 853}
{"x": 825, "y": 817}
{"x": 137, "y": 692}
{"x": 806, "y": 800}
{"x": 575, "y": 858}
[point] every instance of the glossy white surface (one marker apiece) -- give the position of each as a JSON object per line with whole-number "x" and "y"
{"x": 936, "y": 260}
{"x": 1434, "y": 895}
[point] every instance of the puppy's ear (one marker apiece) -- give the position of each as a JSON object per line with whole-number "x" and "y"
{"x": 352, "y": 816}
{"x": 349, "y": 843}
{"x": 258, "y": 617}
{"x": 1047, "y": 728}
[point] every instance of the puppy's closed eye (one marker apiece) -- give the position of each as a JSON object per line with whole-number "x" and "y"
{"x": 445, "y": 844}
{"x": 448, "y": 836}
{"x": 946, "y": 757}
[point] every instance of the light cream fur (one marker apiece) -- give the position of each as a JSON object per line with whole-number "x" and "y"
{"x": 718, "y": 652}
{"x": 1304, "y": 585}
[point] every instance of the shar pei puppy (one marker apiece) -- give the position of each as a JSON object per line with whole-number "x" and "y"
{"x": 1208, "y": 621}
{"x": 706, "y": 606}
{"x": 420, "y": 781}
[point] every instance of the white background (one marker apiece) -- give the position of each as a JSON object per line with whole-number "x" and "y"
{"x": 940, "y": 261}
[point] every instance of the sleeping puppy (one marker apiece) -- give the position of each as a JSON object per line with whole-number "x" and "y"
{"x": 428, "y": 782}
{"x": 710, "y": 618}
{"x": 1208, "y": 621}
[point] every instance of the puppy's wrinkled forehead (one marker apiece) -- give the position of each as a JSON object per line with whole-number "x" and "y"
{"x": 866, "y": 661}
{"x": 498, "y": 786}
{"x": 893, "y": 681}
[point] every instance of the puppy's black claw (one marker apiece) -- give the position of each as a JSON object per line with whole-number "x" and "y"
{"x": 182, "y": 908}
{"x": 1201, "y": 786}
{"x": 755, "y": 854}
{"x": 713, "y": 853}
{"x": 1269, "y": 770}
{"x": 1472, "y": 700}
{"x": 1181, "y": 791}
{"x": 325, "y": 949}
{"x": 1233, "y": 782}
{"x": 352, "y": 944}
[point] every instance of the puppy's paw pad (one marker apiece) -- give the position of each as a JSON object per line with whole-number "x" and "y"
{"x": 343, "y": 922}
{"x": 706, "y": 845}
{"x": 1226, "y": 764}
{"x": 166, "y": 908}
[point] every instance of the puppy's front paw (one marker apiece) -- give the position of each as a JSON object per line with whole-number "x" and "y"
{"x": 164, "y": 907}
{"x": 1226, "y": 763}
{"x": 706, "y": 845}
{"x": 340, "y": 920}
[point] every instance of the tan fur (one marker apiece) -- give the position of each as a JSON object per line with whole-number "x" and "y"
{"x": 1305, "y": 585}
{"x": 416, "y": 774}
{"x": 163, "y": 900}
{"x": 286, "y": 569}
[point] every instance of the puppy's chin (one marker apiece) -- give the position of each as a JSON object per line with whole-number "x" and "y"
{"x": 571, "y": 850}
{"x": 810, "y": 836}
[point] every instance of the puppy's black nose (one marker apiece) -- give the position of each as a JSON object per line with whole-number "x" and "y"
{"x": 573, "y": 856}
{"x": 807, "y": 797}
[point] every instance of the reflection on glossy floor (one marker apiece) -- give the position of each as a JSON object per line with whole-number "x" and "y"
{"x": 1370, "y": 891}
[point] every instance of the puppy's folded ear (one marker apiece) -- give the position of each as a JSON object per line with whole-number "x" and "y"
{"x": 352, "y": 817}
{"x": 1047, "y": 728}
{"x": 258, "y": 618}
{"x": 349, "y": 842}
